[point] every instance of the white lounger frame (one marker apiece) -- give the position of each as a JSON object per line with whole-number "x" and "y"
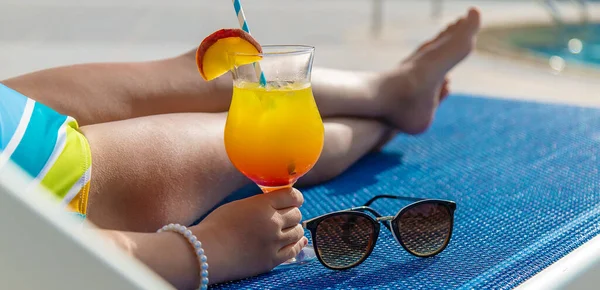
{"x": 41, "y": 247}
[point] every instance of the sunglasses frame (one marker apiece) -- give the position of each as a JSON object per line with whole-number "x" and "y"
{"x": 390, "y": 222}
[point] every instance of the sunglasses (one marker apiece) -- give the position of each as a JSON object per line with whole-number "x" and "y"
{"x": 344, "y": 239}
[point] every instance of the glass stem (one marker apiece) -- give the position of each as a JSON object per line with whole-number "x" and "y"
{"x": 267, "y": 189}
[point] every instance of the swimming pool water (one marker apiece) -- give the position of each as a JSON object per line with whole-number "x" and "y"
{"x": 572, "y": 44}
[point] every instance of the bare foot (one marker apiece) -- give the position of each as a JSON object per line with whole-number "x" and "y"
{"x": 412, "y": 92}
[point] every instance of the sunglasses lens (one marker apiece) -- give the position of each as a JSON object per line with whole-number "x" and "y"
{"x": 425, "y": 228}
{"x": 344, "y": 240}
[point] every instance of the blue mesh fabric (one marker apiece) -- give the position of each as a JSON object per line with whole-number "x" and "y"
{"x": 525, "y": 179}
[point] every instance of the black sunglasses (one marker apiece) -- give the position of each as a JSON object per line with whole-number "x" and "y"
{"x": 344, "y": 239}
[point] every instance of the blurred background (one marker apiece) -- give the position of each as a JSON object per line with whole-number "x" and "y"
{"x": 528, "y": 49}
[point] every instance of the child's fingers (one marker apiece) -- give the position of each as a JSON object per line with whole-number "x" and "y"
{"x": 284, "y": 198}
{"x": 290, "y": 216}
{"x": 291, "y": 235}
{"x": 291, "y": 251}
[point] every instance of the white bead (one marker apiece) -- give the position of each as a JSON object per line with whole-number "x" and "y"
{"x": 200, "y": 252}
{"x": 187, "y": 233}
{"x": 203, "y": 258}
{"x": 204, "y": 266}
{"x": 193, "y": 239}
{"x": 204, "y": 281}
{"x": 204, "y": 273}
{"x": 197, "y": 244}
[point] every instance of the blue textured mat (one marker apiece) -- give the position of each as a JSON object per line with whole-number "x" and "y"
{"x": 525, "y": 178}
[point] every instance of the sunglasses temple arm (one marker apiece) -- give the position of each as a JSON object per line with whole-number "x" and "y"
{"x": 407, "y": 198}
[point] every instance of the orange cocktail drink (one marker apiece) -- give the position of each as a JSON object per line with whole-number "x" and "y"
{"x": 274, "y": 132}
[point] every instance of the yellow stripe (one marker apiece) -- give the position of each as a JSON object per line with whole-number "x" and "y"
{"x": 81, "y": 199}
{"x": 70, "y": 166}
{"x": 79, "y": 202}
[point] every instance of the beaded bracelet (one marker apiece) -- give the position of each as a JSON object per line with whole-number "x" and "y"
{"x": 197, "y": 245}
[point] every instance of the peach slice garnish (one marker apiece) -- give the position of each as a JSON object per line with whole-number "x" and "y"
{"x": 212, "y": 55}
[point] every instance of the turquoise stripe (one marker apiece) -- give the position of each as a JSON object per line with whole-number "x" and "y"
{"x": 39, "y": 140}
{"x": 237, "y": 6}
{"x": 245, "y": 27}
{"x": 12, "y": 106}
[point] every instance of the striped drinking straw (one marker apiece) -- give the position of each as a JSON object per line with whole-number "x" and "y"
{"x": 244, "y": 26}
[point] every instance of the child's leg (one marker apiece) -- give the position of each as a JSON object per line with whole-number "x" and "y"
{"x": 173, "y": 168}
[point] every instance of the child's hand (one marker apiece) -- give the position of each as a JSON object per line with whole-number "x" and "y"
{"x": 251, "y": 236}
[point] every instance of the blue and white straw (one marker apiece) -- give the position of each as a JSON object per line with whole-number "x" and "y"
{"x": 244, "y": 26}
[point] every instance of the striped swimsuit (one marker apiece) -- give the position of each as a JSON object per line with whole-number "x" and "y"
{"x": 46, "y": 145}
